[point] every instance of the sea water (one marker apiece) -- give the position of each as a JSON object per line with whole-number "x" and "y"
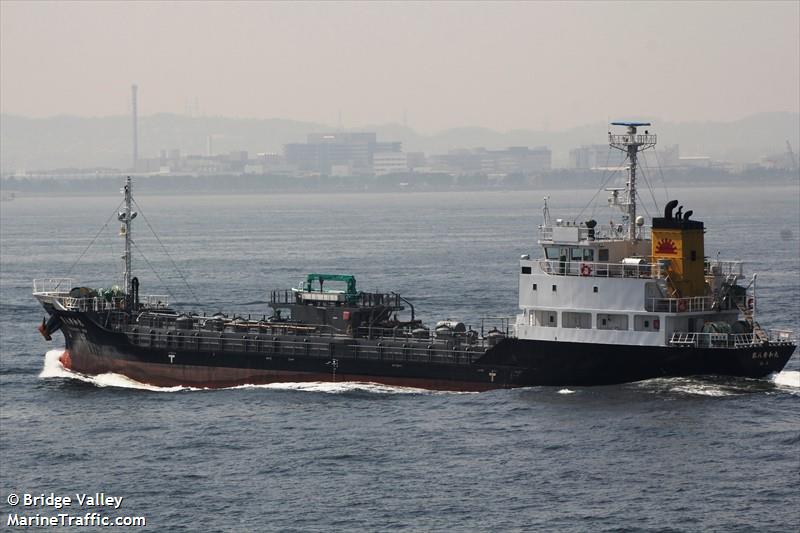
{"x": 663, "y": 454}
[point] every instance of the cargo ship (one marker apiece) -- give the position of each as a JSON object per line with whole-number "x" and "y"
{"x": 603, "y": 304}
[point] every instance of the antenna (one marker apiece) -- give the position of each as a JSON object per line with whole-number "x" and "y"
{"x": 631, "y": 143}
{"x": 546, "y": 212}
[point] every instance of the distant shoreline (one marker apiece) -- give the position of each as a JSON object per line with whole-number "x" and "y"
{"x": 146, "y": 186}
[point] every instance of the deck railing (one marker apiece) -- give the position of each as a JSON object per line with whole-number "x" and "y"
{"x": 623, "y": 139}
{"x": 156, "y": 301}
{"x": 291, "y": 347}
{"x": 730, "y": 340}
{"x": 95, "y": 304}
{"x": 555, "y": 267}
{"x": 99, "y": 303}
{"x": 598, "y": 233}
{"x": 364, "y": 299}
{"x": 52, "y": 286}
{"x": 724, "y": 268}
{"x": 680, "y": 305}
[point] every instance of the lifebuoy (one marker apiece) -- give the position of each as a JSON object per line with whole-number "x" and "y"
{"x": 681, "y": 305}
{"x": 749, "y": 303}
{"x": 586, "y": 270}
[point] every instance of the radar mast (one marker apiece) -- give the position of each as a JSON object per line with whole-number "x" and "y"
{"x": 631, "y": 143}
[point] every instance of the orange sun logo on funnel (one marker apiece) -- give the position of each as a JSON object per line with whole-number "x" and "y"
{"x": 666, "y": 246}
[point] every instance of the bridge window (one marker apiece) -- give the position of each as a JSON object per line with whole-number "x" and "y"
{"x": 551, "y": 252}
{"x": 588, "y": 254}
{"x": 612, "y": 321}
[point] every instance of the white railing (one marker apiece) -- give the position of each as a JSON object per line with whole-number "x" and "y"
{"x": 53, "y": 285}
{"x": 322, "y": 296}
{"x": 781, "y": 335}
{"x": 99, "y": 303}
{"x": 156, "y": 301}
{"x": 555, "y": 267}
{"x": 725, "y": 268}
{"x": 600, "y": 233}
{"x": 623, "y": 140}
{"x": 91, "y": 304}
{"x": 730, "y": 340}
{"x": 680, "y": 305}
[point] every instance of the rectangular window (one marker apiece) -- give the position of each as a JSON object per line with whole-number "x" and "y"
{"x": 526, "y": 270}
{"x": 534, "y": 286}
{"x": 548, "y": 319}
{"x": 603, "y": 254}
{"x": 570, "y": 319}
{"x": 554, "y": 288}
{"x": 551, "y": 252}
{"x": 594, "y": 289}
{"x": 612, "y": 321}
{"x": 575, "y": 258}
{"x": 645, "y": 323}
{"x": 588, "y": 254}
{"x": 694, "y": 255}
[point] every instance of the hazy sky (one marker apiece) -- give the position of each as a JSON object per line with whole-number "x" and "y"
{"x": 500, "y": 65}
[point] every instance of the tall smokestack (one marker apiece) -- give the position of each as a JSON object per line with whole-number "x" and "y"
{"x": 135, "y": 118}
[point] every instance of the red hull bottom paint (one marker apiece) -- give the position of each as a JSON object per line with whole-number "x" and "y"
{"x": 173, "y": 375}
{"x": 66, "y": 360}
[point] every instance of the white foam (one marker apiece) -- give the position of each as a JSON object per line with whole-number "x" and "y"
{"x": 701, "y": 390}
{"x": 566, "y": 391}
{"x": 787, "y": 378}
{"x": 685, "y": 386}
{"x": 54, "y": 369}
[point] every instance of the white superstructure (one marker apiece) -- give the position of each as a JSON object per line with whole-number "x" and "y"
{"x": 629, "y": 283}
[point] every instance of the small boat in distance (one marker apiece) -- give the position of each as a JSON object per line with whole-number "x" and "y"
{"x": 603, "y": 304}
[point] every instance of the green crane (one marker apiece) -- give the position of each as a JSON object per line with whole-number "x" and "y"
{"x": 351, "y": 291}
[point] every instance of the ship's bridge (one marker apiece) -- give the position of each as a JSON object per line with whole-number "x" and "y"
{"x": 570, "y": 232}
{"x": 587, "y": 249}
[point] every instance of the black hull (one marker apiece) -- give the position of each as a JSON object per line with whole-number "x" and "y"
{"x": 92, "y": 349}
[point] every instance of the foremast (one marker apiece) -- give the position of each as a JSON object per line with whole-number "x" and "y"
{"x": 631, "y": 143}
{"x": 126, "y": 216}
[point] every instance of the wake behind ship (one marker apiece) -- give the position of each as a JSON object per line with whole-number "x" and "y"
{"x": 604, "y": 304}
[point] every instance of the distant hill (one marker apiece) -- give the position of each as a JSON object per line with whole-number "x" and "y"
{"x": 68, "y": 141}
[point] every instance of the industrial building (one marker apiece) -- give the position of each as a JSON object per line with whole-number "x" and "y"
{"x": 343, "y": 152}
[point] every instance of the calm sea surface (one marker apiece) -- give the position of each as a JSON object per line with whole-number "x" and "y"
{"x": 661, "y": 455}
